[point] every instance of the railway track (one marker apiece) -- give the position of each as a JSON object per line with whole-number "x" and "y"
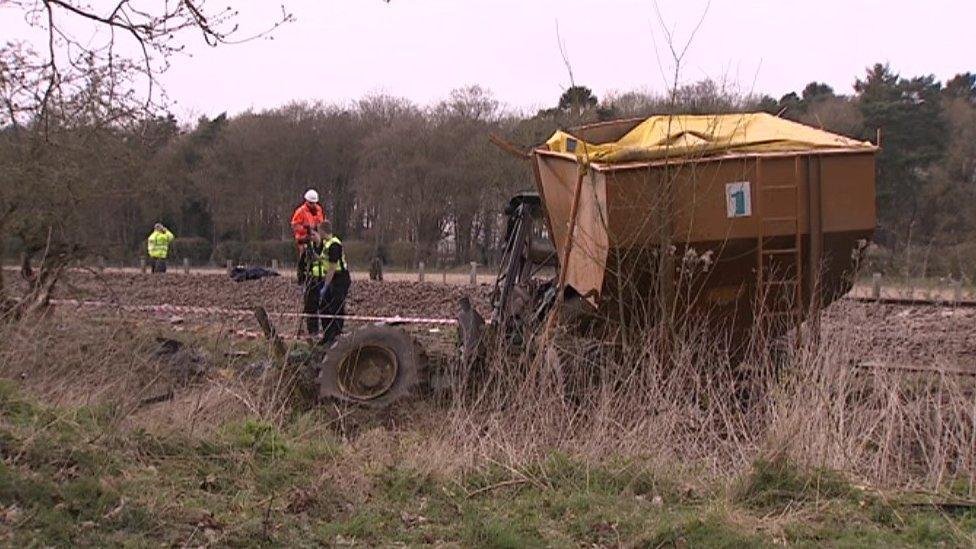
{"x": 908, "y": 301}
{"x": 909, "y": 368}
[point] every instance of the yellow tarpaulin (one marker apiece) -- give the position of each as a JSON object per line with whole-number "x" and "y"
{"x": 692, "y": 136}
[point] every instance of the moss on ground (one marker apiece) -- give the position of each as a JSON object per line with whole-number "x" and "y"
{"x": 69, "y": 478}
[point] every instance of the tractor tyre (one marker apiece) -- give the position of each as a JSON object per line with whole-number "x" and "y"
{"x": 374, "y": 366}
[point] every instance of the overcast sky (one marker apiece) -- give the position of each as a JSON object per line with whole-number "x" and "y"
{"x": 340, "y": 50}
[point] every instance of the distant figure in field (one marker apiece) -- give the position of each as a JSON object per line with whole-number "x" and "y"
{"x": 306, "y": 218}
{"x": 376, "y": 268}
{"x": 158, "y": 247}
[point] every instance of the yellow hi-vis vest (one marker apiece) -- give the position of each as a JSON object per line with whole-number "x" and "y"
{"x": 320, "y": 263}
{"x": 158, "y": 244}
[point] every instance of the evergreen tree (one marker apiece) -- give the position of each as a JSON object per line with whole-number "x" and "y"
{"x": 907, "y": 114}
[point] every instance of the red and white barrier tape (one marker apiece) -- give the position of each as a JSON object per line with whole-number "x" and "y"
{"x": 188, "y": 309}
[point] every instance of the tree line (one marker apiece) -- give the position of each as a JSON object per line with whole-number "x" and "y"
{"x": 414, "y": 182}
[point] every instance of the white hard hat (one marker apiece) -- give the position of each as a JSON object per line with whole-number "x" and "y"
{"x": 311, "y": 196}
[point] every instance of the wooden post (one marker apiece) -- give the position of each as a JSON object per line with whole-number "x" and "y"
{"x": 186, "y": 265}
{"x": 876, "y": 286}
{"x": 101, "y": 264}
{"x": 444, "y": 275}
{"x": 420, "y": 272}
{"x": 274, "y": 264}
{"x": 277, "y": 345}
{"x": 230, "y": 267}
{"x": 142, "y": 265}
{"x": 474, "y": 273}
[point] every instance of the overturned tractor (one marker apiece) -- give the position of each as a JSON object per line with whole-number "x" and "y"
{"x": 732, "y": 220}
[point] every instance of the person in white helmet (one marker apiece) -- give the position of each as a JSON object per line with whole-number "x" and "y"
{"x": 306, "y": 217}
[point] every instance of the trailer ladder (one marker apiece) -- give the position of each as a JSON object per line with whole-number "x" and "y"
{"x": 779, "y": 257}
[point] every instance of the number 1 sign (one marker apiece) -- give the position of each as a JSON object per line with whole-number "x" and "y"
{"x": 738, "y": 199}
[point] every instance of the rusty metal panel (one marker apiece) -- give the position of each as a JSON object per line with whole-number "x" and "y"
{"x": 630, "y": 214}
{"x": 588, "y": 256}
{"x": 847, "y": 192}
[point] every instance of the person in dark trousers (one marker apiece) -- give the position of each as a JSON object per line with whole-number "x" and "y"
{"x": 327, "y": 284}
{"x": 312, "y": 272}
{"x": 158, "y": 247}
{"x": 376, "y": 268}
{"x": 336, "y": 287}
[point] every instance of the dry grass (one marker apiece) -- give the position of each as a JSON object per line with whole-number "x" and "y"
{"x": 601, "y": 446}
{"x": 688, "y": 409}
{"x": 124, "y": 366}
{"x": 685, "y": 411}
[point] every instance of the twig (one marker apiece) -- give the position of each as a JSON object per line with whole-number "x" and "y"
{"x": 502, "y": 484}
{"x": 266, "y": 523}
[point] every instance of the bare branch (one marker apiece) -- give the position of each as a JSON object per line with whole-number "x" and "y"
{"x": 70, "y": 67}
{"x": 562, "y": 52}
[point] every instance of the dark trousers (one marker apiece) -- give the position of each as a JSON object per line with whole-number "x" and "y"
{"x": 312, "y": 301}
{"x": 334, "y": 303}
{"x": 302, "y": 269}
{"x": 158, "y": 265}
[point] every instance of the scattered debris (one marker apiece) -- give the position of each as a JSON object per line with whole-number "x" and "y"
{"x": 410, "y": 520}
{"x": 115, "y": 511}
{"x": 241, "y": 273}
{"x": 168, "y": 395}
{"x": 255, "y": 369}
{"x": 209, "y": 484}
{"x": 167, "y": 347}
{"x": 301, "y": 500}
{"x": 10, "y": 515}
{"x": 186, "y": 363}
{"x": 201, "y": 518}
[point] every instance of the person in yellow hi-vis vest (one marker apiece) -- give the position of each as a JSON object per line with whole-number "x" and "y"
{"x": 327, "y": 283}
{"x": 158, "y": 246}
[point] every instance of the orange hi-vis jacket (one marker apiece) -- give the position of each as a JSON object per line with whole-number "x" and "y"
{"x": 304, "y": 218}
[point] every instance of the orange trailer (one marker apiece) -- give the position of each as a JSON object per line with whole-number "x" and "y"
{"x": 727, "y": 214}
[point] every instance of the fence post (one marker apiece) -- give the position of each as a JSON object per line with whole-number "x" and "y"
{"x": 186, "y": 265}
{"x": 876, "y": 286}
{"x": 474, "y": 273}
{"x": 444, "y": 275}
{"x": 230, "y": 267}
{"x": 142, "y": 265}
{"x": 101, "y": 264}
{"x": 420, "y": 273}
{"x": 274, "y": 264}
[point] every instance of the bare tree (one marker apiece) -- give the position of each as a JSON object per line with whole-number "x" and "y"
{"x": 124, "y": 45}
{"x": 93, "y": 73}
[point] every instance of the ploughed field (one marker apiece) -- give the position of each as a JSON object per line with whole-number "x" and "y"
{"x": 276, "y": 294}
{"x": 908, "y": 335}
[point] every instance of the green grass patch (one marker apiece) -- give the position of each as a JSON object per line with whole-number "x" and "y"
{"x": 710, "y": 530}
{"x": 69, "y": 478}
{"x": 773, "y": 485}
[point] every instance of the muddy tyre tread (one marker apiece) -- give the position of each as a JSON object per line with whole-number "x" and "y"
{"x": 412, "y": 364}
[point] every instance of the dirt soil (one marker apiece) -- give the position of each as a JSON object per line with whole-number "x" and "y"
{"x": 911, "y": 335}
{"x": 277, "y": 294}
{"x": 917, "y": 335}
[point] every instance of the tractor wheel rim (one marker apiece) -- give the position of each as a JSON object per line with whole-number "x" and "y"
{"x": 368, "y": 372}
